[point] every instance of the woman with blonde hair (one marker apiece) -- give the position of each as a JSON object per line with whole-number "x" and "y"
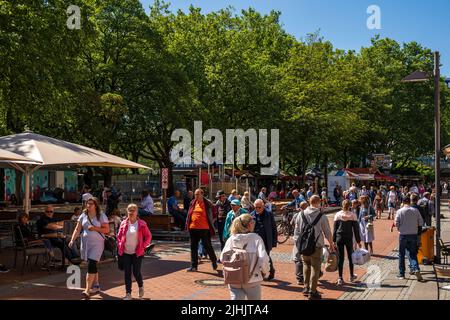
{"x": 242, "y": 237}
{"x": 246, "y": 202}
{"x": 234, "y": 195}
{"x": 132, "y": 240}
{"x": 95, "y": 226}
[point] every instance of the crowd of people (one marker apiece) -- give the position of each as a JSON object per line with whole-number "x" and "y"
{"x": 246, "y": 225}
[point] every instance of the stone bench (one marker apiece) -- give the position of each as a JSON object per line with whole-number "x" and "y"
{"x": 159, "y": 222}
{"x": 170, "y": 235}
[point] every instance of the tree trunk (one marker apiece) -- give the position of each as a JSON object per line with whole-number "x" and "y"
{"x": 107, "y": 177}
{"x": 325, "y": 171}
{"x": 345, "y": 158}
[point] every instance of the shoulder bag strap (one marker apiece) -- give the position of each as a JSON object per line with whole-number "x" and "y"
{"x": 90, "y": 221}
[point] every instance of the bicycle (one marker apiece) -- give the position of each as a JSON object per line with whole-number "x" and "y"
{"x": 285, "y": 227}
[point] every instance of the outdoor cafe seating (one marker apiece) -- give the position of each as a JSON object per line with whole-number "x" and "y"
{"x": 27, "y": 249}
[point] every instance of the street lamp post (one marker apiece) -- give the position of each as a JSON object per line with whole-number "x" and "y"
{"x": 420, "y": 76}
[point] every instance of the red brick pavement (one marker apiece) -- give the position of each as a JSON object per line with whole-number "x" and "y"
{"x": 166, "y": 279}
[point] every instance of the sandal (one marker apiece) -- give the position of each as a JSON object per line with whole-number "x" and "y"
{"x": 85, "y": 295}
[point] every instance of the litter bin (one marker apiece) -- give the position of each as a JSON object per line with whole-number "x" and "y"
{"x": 426, "y": 249}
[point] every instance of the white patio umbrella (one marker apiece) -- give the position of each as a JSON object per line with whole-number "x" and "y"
{"x": 49, "y": 152}
{"x": 11, "y": 156}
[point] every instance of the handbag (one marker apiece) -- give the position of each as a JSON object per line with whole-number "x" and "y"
{"x": 110, "y": 241}
{"x": 360, "y": 257}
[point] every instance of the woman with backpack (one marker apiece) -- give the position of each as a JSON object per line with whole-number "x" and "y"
{"x": 132, "y": 239}
{"x": 345, "y": 228}
{"x": 244, "y": 282}
{"x": 365, "y": 218}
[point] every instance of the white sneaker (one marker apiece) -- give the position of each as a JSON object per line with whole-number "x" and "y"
{"x": 128, "y": 297}
{"x": 141, "y": 292}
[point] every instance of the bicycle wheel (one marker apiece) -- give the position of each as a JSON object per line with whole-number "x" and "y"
{"x": 283, "y": 232}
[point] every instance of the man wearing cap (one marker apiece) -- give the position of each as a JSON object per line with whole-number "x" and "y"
{"x": 236, "y": 211}
{"x": 223, "y": 206}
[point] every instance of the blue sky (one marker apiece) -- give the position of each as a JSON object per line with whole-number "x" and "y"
{"x": 343, "y": 22}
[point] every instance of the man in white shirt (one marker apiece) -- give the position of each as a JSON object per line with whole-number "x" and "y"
{"x": 146, "y": 207}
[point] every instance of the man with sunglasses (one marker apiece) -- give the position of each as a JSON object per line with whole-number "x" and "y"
{"x": 266, "y": 228}
{"x": 48, "y": 224}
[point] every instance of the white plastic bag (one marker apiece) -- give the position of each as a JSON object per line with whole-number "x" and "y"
{"x": 360, "y": 257}
{"x": 325, "y": 254}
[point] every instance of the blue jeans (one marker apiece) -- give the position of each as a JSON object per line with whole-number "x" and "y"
{"x": 143, "y": 213}
{"x": 201, "y": 249}
{"x": 408, "y": 242}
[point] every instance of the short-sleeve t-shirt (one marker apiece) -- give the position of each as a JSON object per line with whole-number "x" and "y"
{"x": 171, "y": 202}
{"x": 92, "y": 235}
{"x": 198, "y": 218}
{"x": 131, "y": 238}
{"x": 43, "y": 222}
{"x": 392, "y": 196}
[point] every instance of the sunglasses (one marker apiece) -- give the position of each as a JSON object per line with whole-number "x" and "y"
{"x": 46, "y": 211}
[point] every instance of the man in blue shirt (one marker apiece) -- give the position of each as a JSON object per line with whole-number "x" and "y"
{"x": 175, "y": 211}
{"x": 310, "y": 192}
{"x": 298, "y": 198}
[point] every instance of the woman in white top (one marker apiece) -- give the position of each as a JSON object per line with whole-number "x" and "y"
{"x": 246, "y": 202}
{"x": 242, "y": 237}
{"x": 132, "y": 239}
{"x": 392, "y": 202}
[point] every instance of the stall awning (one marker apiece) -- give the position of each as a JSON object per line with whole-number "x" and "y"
{"x": 359, "y": 174}
{"x": 382, "y": 177}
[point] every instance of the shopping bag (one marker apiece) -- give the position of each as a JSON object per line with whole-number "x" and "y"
{"x": 332, "y": 262}
{"x": 360, "y": 257}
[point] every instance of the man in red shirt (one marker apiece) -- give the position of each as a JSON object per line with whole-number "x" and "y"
{"x": 200, "y": 226}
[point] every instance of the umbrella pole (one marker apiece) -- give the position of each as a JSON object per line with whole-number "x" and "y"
{"x": 27, "y": 190}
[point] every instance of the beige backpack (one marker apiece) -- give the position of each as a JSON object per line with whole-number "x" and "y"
{"x": 236, "y": 266}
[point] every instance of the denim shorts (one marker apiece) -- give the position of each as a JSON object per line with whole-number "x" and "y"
{"x": 391, "y": 205}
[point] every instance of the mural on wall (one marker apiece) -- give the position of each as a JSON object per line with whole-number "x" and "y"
{"x": 10, "y": 187}
{"x": 70, "y": 186}
{"x": 40, "y": 182}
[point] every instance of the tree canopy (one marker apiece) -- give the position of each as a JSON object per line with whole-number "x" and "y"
{"x": 127, "y": 79}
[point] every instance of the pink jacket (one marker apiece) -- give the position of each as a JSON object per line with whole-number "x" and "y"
{"x": 144, "y": 237}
